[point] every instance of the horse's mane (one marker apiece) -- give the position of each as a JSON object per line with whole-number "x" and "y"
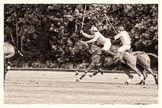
{"x": 90, "y": 46}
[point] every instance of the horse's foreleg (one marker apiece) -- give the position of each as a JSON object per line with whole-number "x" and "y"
{"x": 80, "y": 67}
{"x": 87, "y": 70}
{"x": 96, "y": 72}
{"x": 98, "y": 66}
{"x": 127, "y": 71}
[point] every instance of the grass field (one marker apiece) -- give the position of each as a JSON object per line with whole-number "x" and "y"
{"x": 53, "y": 87}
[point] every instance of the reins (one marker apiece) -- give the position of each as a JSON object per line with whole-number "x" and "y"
{"x": 83, "y": 17}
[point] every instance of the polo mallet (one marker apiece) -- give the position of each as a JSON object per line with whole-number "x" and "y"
{"x": 83, "y": 17}
{"x": 14, "y": 42}
{"x": 108, "y": 21}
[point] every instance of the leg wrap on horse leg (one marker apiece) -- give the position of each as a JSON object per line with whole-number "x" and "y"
{"x": 82, "y": 76}
{"x": 129, "y": 80}
{"x": 142, "y": 77}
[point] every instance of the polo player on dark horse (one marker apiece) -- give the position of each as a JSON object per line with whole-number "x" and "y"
{"x": 97, "y": 36}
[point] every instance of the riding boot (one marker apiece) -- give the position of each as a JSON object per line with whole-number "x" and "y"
{"x": 102, "y": 58}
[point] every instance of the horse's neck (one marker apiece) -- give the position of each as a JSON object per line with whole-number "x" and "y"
{"x": 93, "y": 48}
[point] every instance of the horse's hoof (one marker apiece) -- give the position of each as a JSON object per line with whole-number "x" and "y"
{"x": 101, "y": 73}
{"x": 90, "y": 75}
{"x": 76, "y": 74}
{"x": 77, "y": 80}
{"x": 156, "y": 81}
{"x": 100, "y": 70}
{"x": 141, "y": 83}
{"x": 126, "y": 83}
{"x": 131, "y": 77}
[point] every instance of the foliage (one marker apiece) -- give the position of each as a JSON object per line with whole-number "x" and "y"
{"x": 49, "y": 31}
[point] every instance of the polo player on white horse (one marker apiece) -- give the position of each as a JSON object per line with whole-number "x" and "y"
{"x": 125, "y": 39}
{"x": 126, "y": 42}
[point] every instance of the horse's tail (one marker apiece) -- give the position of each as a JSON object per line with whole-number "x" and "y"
{"x": 151, "y": 54}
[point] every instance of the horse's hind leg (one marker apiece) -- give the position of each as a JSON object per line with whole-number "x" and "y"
{"x": 139, "y": 73}
{"x": 144, "y": 61}
{"x": 154, "y": 75}
{"x": 144, "y": 72}
{"x": 131, "y": 61}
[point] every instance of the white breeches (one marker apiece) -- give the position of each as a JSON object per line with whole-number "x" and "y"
{"x": 107, "y": 45}
{"x": 124, "y": 48}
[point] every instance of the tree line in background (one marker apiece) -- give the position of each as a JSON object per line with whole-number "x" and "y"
{"x": 46, "y": 33}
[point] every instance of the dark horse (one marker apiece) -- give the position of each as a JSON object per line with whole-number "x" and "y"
{"x": 129, "y": 61}
{"x": 9, "y": 52}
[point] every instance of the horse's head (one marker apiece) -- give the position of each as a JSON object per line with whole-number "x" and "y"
{"x": 80, "y": 46}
